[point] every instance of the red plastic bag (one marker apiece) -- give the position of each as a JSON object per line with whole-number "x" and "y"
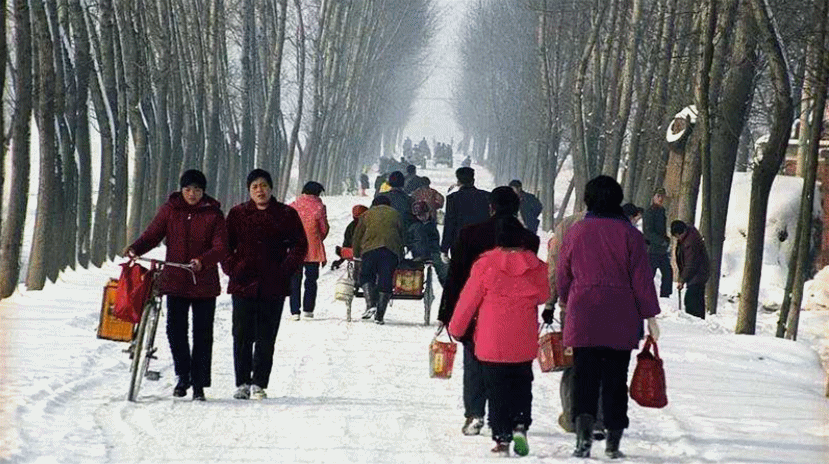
{"x": 647, "y": 387}
{"x": 134, "y": 288}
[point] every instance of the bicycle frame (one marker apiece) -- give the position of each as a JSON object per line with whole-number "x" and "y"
{"x": 143, "y": 345}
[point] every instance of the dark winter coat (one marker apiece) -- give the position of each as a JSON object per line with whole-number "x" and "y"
{"x": 402, "y": 203}
{"x": 349, "y": 233}
{"x": 191, "y": 232}
{"x": 379, "y": 227}
{"x": 413, "y": 183}
{"x": 605, "y": 281}
{"x": 423, "y": 239}
{"x": 692, "y": 258}
{"x": 655, "y": 229}
{"x": 266, "y": 248}
{"x": 473, "y": 241}
{"x": 530, "y": 209}
{"x": 467, "y": 205}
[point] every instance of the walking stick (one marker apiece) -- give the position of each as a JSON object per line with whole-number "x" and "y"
{"x": 679, "y": 295}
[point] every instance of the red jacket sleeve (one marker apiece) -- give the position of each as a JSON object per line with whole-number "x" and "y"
{"x": 218, "y": 243}
{"x": 154, "y": 233}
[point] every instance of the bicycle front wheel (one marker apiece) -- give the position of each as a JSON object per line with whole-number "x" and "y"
{"x": 137, "y": 355}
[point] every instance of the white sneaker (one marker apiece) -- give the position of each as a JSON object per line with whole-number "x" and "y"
{"x": 242, "y": 392}
{"x": 369, "y": 314}
{"x": 257, "y": 392}
{"x": 307, "y": 315}
{"x": 473, "y": 426}
{"x": 295, "y": 317}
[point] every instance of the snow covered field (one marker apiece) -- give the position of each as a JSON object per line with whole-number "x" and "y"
{"x": 357, "y": 392}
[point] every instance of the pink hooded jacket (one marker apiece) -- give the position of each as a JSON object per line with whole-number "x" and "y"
{"x": 315, "y": 222}
{"x": 504, "y": 290}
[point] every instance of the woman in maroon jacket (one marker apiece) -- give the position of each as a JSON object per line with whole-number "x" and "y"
{"x": 194, "y": 226}
{"x": 267, "y": 246}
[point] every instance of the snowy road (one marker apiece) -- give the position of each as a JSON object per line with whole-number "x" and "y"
{"x": 357, "y": 392}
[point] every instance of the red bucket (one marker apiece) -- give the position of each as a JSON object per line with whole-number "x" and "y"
{"x": 552, "y": 354}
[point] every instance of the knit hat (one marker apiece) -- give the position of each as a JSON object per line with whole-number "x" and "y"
{"x": 357, "y": 210}
{"x": 193, "y": 177}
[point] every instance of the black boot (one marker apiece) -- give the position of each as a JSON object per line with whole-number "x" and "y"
{"x": 371, "y": 301}
{"x": 181, "y": 387}
{"x": 584, "y": 435}
{"x": 613, "y": 439}
{"x": 382, "y": 303}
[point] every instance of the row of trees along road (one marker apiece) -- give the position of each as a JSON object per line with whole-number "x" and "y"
{"x": 600, "y": 80}
{"x": 228, "y": 85}
{"x": 220, "y": 85}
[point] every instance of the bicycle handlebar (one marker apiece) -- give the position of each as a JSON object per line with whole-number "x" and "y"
{"x": 160, "y": 263}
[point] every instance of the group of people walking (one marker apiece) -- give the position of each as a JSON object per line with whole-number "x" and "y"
{"x": 263, "y": 245}
{"x": 600, "y": 270}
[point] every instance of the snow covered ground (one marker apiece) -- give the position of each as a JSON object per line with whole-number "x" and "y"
{"x": 357, "y": 392}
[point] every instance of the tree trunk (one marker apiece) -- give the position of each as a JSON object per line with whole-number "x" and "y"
{"x": 15, "y": 221}
{"x": 767, "y": 167}
{"x": 45, "y": 218}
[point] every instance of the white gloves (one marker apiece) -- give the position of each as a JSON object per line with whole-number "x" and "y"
{"x": 653, "y": 328}
{"x": 445, "y": 258}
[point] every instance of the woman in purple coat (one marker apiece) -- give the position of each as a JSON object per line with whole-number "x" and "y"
{"x": 605, "y": 281}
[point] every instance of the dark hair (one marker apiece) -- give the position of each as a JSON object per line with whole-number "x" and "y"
{"x": 678, "y": 228}
{"x": 508, "y": 232}
{"x": 381, "y": 200}
{"x": 193, "y": 177}
{"x": 603, "y": 196}
{"x": 312, "y": 188}
{"x": 504, "y": 201}
{"x": 426, "y": 180}
{"x": 411, "y": 169}
{"x": 631, "y": 210}
{"x": 396, "y": 179}
{"x": 515, "y": 183}
{"x": 465, "y": 175}
{"x": 260, "y": 174}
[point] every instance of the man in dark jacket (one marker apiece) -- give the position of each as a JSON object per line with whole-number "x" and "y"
{"x": 399, "y": 199}
{"x": 694, "y": 267}
{"x": 412, "y": 181}
{"x": 267, "y": 246}
{"x": 473, "y": 240}
{"x": 467, "y": 205}
{"x": 194, "y": 227}
{"x": 530, "y": 207}
{"x": 654, "y": 227}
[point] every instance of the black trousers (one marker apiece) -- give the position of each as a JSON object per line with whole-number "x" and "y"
{"x": 378, "y": 267}
{"x": 602, "y": 369}
{"x": 307, "y": 301}
{"x": 509, "y": 388}
{"x": 192, "y": 367}
{"x": 662, "y": 262}
{"x": 255, "y": 324}
{"x": 695, "y": 300}
{"x": 474, "y": 386}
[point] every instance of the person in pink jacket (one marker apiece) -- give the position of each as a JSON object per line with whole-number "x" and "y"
{"x": 501, "y": 298}
{"x": 315, "y": 222}
{"x": 604, "y": 279}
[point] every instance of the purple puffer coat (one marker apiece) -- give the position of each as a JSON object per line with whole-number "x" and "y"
{"x": 604, "y": 279}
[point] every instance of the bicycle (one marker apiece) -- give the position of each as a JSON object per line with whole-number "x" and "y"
{"x": 142, "y": 348}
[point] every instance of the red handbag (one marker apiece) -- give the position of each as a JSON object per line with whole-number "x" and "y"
{"x": 647, "y": 387}
{"x": 134, "y": 287}
{"x": 552, "y": 354}
{"x": 441, "y": 356}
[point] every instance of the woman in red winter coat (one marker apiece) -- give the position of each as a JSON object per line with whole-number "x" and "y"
{"x": 194, "y": 226}
{"x": 267, "y": 246}
{"x": 604, "y": 279}
{"x": 503, "y": 292}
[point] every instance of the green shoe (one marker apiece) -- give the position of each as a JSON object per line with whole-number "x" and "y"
{"x": 519, "y": 440}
